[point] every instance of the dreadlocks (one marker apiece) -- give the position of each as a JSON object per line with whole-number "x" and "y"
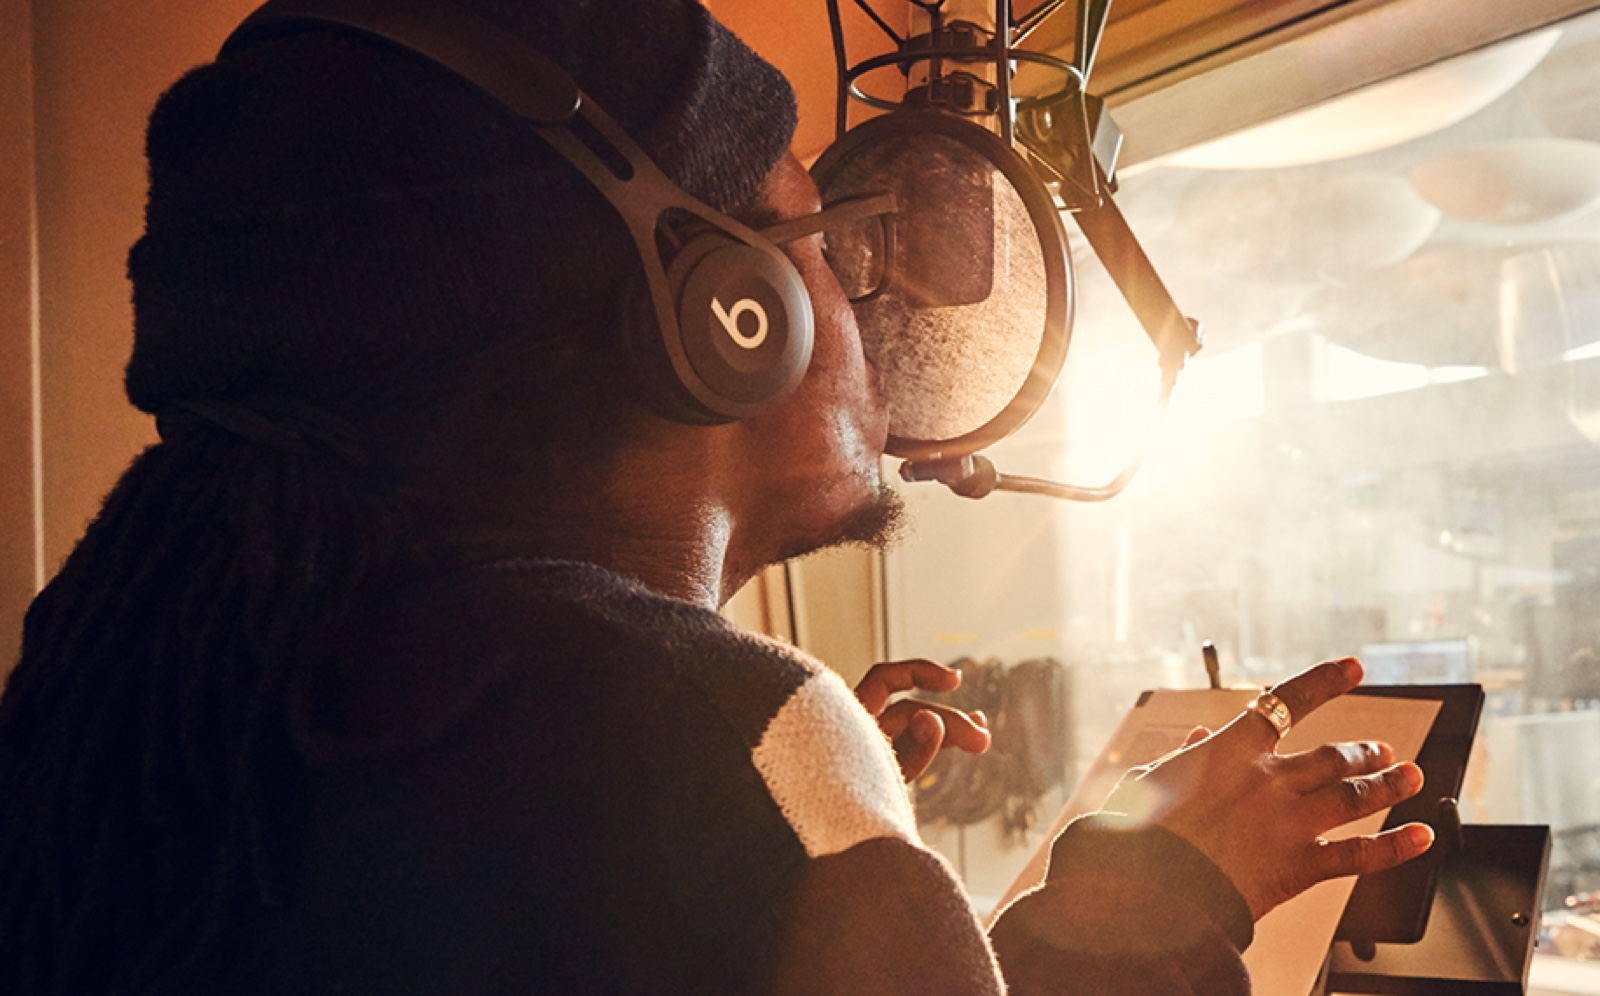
{"x": 145, "y": 754}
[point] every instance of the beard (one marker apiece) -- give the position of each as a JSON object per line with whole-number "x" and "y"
{"x": 877, "y": 522}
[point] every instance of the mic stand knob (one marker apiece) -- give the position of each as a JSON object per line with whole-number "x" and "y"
{"x": 970, "y": 476}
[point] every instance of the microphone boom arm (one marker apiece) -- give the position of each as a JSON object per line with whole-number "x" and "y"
{"x": 974, "y": 476}
{"x": 1175, "y": 336}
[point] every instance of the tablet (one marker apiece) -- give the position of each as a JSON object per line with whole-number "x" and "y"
{"x": 1392, "y": 907}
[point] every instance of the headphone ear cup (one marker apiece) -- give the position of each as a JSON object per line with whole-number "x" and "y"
{"x": 651, "y": 367}
{"x": 739, "y": 336}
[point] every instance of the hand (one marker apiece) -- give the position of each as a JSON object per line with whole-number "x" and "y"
{"x": 919, "y": 729}
{"x": 1260, "y": 815}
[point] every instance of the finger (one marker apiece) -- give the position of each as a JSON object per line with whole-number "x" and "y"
{"x": 1353, "y": 798}
{"x": 1301, "y": 694}
{"x": 964, "y": 731}
{"x": 1314, "y": 769}
{"x": 1312, "y": 687}
{"x": 1365, "y": 855}
{"x": 960, "y": 730}
{"x": 919, "y": 744}
{"x": 892, "y": 677}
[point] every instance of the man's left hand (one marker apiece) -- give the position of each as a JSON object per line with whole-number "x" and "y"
{"x": 919, "y": 730}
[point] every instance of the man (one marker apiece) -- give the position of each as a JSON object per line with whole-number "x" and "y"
{"x": 394, "y": 667}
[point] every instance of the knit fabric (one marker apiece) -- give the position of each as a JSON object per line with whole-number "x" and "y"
{"x": 324, "y": 205}
{"x": 831, "y": 772}
{"x": 552, "y": 780}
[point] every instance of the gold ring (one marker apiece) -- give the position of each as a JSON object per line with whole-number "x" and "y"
{"x": 1271, "y": 708}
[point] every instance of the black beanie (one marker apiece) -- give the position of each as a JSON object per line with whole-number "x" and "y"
{"x": 323, "y": 206}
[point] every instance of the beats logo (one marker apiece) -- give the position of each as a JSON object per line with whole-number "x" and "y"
{"x": 730, "y": 321}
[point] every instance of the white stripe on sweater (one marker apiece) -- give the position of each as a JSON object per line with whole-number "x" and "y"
{"x": 831, "y": 770}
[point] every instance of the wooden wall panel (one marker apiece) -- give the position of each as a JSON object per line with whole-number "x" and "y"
{"x": 19, "y": 561}
{"x": 98, "y": 71}
{"x": 81, "y": 77}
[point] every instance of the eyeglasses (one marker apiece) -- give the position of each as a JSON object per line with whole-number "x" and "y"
{"x": 858, "y": 241}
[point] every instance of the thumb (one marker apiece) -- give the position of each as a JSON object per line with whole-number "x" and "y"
{"x": 917, "y": 746}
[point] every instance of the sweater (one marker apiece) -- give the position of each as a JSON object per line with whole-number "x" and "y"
{"x": 548, "y": 779}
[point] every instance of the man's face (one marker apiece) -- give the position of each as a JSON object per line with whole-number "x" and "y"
{"x": 814, "y": 463}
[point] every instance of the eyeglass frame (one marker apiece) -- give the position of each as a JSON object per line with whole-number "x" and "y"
{"x": 848, "y": 211}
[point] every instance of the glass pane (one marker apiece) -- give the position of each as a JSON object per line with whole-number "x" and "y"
{"x": 1388, "y": 447}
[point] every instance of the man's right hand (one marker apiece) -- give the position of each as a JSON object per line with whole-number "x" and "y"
{"x": 1260, "y": 815}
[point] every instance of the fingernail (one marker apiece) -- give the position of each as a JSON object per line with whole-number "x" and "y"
{"x": 1419, "y": 837}
{"x": 1409, "y": 777}
{"x": 979, "y": 718}
{"x": 1352, "y": 668}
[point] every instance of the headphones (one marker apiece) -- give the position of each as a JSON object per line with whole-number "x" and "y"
{"x": 733, "y": 324}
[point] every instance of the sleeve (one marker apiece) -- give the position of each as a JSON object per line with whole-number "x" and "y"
{"x": 885, "y": 918}
{"x": 1123, "y": 910}
{"x": 872, "y": 911}
{"x": 1126, "y": 910}
{"x": 1124, "y": 913}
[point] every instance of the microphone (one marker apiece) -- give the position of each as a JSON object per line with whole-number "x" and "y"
{"x": 944, "y": 230}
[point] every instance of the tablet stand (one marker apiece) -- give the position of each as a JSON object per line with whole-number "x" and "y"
{"x": 1481, "y": 927}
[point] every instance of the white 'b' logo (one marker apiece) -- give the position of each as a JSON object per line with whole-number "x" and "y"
{"x": 730, "y": 321}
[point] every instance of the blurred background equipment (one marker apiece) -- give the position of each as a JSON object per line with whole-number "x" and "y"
{"x": 1029, "y": 708}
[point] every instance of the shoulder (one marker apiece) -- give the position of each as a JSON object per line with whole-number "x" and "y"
{"x": 584, "y": 647}
{"x": 823, "y": 760}
{"x": 595, "y": 762}
{"x": 831, "y": 771}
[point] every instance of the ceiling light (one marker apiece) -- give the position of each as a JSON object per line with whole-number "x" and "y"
{"x": 1377, "y": 116}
